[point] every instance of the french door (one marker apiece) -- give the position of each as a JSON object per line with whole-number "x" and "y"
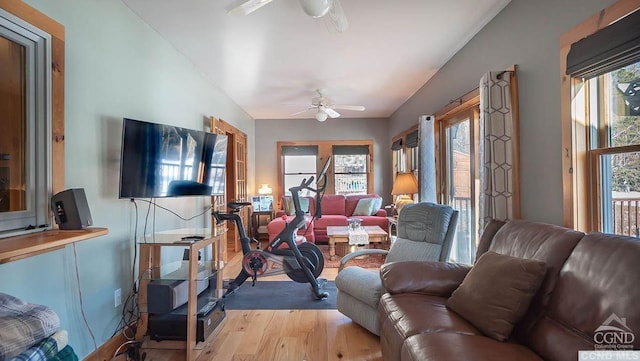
{"x": 459, "y": 139}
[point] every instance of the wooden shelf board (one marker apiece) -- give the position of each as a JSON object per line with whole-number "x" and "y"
{"x": 18, "y": 247}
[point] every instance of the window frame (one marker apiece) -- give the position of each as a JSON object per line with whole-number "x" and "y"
{"x": 580, "y": 210}
{"x": 467, "y": 108}
{"x": 306, "y": 175}
{"x": 406, "y": 159}
{"x": 325, "y": 150}
{"x": 365, "y": 173}
{"x": 41, "y": 119}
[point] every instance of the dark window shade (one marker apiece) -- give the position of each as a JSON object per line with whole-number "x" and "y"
{"x": 350, "y": 149}
{"x": 397, "y": 145}
{"x": 300, "y": 150}
{"x": 611, "y": 48}
{"x": 412, "y": 139}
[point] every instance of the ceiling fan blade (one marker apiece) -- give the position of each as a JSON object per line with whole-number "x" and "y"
{"x": 331, "y": 113}
{"x": 359, "y": 108}
{"x": 245, "y": 7}
{"x": 302, "y": 111}
{"x": 335, "y": 19}
{"x": 297, "y": 105}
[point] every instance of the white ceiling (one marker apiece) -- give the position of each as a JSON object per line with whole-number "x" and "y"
{"x": 278, "y": 55}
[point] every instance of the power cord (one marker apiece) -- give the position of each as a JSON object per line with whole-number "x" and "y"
{"x": 84, "y": 317}
{"x": 132, "y": 352}
{"x": 130, "y": 311}
{"x": 152, "y": 202}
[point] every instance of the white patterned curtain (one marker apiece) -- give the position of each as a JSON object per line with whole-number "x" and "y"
{"x": 499, "y": 191}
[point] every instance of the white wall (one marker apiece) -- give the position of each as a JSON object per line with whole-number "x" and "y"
{"x": 270, "y": 131}
{"x": 525, "y": 33}
{"x": 116, "y": 66}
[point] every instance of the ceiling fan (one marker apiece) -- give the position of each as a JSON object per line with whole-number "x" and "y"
{"x": 330, "y": 10}
{"x": 324, "y": 107}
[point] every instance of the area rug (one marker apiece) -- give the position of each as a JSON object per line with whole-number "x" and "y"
{"x": 371, "y": 261}
{"x": 280, "y": 295}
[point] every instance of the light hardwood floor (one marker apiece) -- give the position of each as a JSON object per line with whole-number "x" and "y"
{"x": 283, "y": 335}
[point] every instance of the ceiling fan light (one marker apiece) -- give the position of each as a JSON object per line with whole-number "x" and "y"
{"x": 321, "y": 116}
{"x": 315, "y": 8}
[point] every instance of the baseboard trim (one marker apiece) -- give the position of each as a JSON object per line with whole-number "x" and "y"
{"x": 106, "y": 351}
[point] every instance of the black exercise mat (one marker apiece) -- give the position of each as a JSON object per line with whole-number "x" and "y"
{"x": 280, "y": 295}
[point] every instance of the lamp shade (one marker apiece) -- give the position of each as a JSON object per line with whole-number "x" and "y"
{"x": 265, "y": 189}
{"x": 405, "y": 183}
{"x": 315, "y": 8}
{"x": 321, "y": 116}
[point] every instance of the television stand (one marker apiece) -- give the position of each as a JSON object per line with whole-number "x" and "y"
{"x": 189, "y": 239}
{"x": 150, "y": 261}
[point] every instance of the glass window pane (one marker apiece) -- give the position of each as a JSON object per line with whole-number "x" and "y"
{"x": 294, "y": 180}
{"x": 350, "y": 163}
{"x": 459, "y": 190}
{"x": 620, "y": 179}
{"x": 350, "y": 174}
{"x": 300, "y": 164}
{"x": 624, "y": 105}
{"x": 414, "y": 158}
{"x": 13, "y": 151}
{"x": 351, "y": 184}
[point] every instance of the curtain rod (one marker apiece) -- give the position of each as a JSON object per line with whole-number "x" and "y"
{"x": 500, "y": 74}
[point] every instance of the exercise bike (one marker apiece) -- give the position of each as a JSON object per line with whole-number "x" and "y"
{"x": 301, "y": 263}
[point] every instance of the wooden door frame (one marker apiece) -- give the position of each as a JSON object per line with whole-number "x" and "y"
{"x": 232, "y": 186}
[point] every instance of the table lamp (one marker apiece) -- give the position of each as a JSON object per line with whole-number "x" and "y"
{"x": 404, "y": 187}
{"x": 264, "y": 189}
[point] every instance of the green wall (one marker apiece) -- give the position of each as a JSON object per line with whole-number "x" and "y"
{"x": 116, "y": 66}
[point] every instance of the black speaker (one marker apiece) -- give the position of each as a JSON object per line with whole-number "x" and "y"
{"x": 71, "y": 209}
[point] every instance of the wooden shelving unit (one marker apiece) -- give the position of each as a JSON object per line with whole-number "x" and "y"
{"x": 19, "y": 247}
{"x": 150, "y": 259}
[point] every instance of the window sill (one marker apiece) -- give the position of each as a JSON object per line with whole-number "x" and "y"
{"x": 19, "y": 247}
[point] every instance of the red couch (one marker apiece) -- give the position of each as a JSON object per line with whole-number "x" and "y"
{"x": 336, "y": 209}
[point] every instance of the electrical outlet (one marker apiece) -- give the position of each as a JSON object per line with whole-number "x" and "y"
{"x": 117, "y": 297}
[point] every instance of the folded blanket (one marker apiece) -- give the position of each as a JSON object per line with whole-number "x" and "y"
{"x": 51, "y": 348}
{"x": 66, "y": 354}
{"x": 42, "y": 351}
{"x": 62, "y": 339}
{"x": 23, "y": 324}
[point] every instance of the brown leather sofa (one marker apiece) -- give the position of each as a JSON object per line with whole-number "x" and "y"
{"x": 591, "y": 280}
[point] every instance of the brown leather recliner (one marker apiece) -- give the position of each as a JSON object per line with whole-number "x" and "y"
{"x": 591, "y": 280}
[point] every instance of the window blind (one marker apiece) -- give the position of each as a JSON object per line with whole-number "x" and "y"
{"x": 350, "y": 149}
{"x": 412, "y": 139}
{"x": 397, "y": 145}
{"x": 300, "y": 150}
{"x": 611, "y": 48}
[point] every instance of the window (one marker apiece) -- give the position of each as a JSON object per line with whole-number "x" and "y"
{"x": 25, "y": 183}
{"x": 460, "y": 140}
{"x": 406, "y": 150}
{"x": 299, "y": 162}
{"x": 412, "y": 145}
{"x": 351, "y": 170}
{"x": 613, "y": 150}
{"x": 350, "y": 164}
{"x": 399, "y": 164}
{"x": 601, "y": 122}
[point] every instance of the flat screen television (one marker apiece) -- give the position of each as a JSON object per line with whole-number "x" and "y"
{"x": 160, "y": 160}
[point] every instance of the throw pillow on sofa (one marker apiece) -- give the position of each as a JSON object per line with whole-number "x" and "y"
{"x": 290, "y": 210}
{"x": 496, "y": 293}
{"x": 367, "y": 206}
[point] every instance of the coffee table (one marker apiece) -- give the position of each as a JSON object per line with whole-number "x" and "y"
{"x": 340, "y": 234}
